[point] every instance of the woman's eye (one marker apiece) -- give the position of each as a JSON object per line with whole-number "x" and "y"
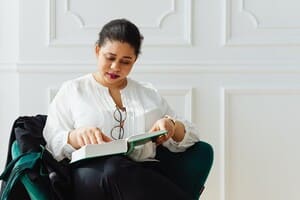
{"x": 125, "y": 63}
{"x": 110, "y": 58}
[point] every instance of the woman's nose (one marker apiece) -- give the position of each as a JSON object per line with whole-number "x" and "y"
{"x": 115, "y": 66}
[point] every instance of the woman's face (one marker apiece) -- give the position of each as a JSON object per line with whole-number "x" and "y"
{"x": 115, "y": 61}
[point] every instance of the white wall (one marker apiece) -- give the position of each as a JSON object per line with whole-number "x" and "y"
{"x": 233, "y": 65}
{"x": 9, "y": 82}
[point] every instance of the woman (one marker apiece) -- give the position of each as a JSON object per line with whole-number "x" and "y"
{"x": 106, "y": 105}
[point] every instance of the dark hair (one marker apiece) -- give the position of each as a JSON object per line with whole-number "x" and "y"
{"x": 121, "y": 30}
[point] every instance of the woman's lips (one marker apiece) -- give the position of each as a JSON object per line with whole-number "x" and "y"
{"x": 112, "y": 75}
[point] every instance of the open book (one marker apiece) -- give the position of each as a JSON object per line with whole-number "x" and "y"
{"x": 121, "y": 146}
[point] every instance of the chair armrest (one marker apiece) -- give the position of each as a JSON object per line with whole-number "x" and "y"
{"x": 189, "y": 169}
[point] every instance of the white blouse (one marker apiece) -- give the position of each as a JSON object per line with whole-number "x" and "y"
{"x": 84, "y": 102}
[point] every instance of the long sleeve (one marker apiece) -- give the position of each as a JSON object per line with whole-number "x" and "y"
{"x": 191, "y": 136}
{"x": 59, "y": 124}
{"x": 191, "y": 132}
{"x": 156, "y": 107}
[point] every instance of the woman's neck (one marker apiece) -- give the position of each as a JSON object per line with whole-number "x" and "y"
{"x": 116, "y": 96}
{"x": 114, "y": 90}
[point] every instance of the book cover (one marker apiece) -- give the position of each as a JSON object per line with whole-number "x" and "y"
{"x": 121, "y": 146}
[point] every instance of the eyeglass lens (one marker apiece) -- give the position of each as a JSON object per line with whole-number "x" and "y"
{"x": 120, "y": 115}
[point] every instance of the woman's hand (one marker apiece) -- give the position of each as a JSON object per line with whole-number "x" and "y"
{"x": 164, "y": 124}
{"x": 87, "y": 135}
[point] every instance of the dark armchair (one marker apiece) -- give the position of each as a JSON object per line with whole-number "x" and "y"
{"x": 189, "y": 169}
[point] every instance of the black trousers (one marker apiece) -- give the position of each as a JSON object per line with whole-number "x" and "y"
{"x": 119, "y": 178}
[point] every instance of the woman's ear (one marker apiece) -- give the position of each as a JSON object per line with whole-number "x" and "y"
{"x": 97, "y": 50}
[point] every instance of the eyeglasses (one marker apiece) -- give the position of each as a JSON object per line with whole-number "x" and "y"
{"x": 120, "y": 115}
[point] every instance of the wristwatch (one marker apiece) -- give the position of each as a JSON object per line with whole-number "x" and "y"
{"x": 170, "y": 118}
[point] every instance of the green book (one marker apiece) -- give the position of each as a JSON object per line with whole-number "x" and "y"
{"x": 121, "y": 146}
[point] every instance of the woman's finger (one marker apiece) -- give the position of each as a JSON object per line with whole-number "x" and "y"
{"x": 106, "y": 138}
{"x": 93, "y": 139}
{"x": 154, "y": 128}
{"x": 160, "y": 139}
{"x": 85, "y": 139}
{"x": 98, "y": 136}
{"x": 80, "y": 141}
